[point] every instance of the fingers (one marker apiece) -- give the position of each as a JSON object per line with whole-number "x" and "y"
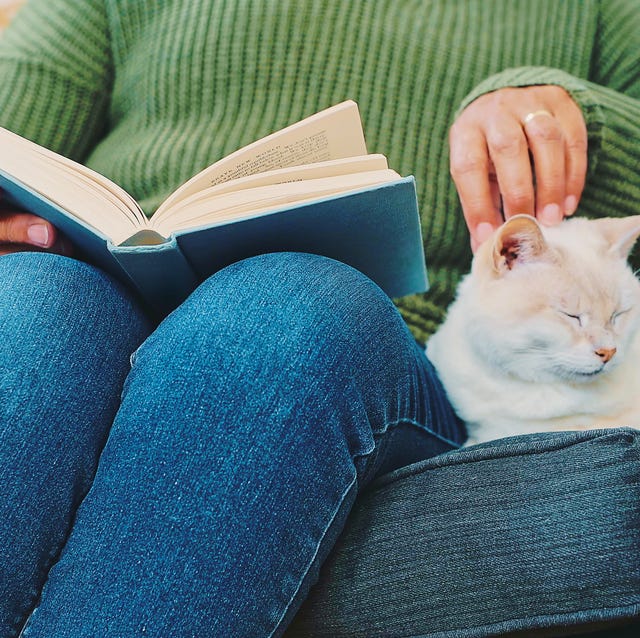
{"x": 576, "y": 142}
{"x": 546, "y": 141}
{"x": 558, "y": 141}
{"x": 472, "y": 169}
{"x": 25, "y": 228}
{"x": 509, "y": 152}
{"x": 516, "y": 151}
{"x": 24, "y": 231}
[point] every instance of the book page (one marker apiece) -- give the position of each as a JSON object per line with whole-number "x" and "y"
{"x": 109, "y": 190}
{"x": 256, "y": 201}
{"x": 80, "y": 198}
{"x": 332, "y": 168}
{"x": 11, "y": 142}
{"x": 331, "y": 134}
{"x": 81, "y": 192}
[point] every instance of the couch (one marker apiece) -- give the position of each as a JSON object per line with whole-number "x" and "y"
{"x": 535, "y": 535}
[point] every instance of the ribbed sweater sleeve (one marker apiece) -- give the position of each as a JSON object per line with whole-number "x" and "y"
{"x": 617, "y": 48}
{"x": 610, "y": 103}
{"x": 613, "y": 126}
{"x": 56, "y": 74}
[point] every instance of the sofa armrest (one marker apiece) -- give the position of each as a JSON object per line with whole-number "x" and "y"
{"x": 535, "y": 535}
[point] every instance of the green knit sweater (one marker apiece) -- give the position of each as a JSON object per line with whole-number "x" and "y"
{"x": 150, "y": 91}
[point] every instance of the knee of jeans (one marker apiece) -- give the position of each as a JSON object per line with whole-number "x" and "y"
{"x": 40, "y": 272}
{"x": 290, "y": 292}
{"x": 286, "y": 309}
{"x": 293, "y": 289}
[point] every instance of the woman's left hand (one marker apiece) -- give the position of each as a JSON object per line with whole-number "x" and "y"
{"x": 518, "y": 150}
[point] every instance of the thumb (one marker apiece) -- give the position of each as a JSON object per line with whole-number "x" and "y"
{"x": 25, "y": 228}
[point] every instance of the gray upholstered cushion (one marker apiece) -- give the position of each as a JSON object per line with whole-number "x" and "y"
{"x": 538, "y": 535}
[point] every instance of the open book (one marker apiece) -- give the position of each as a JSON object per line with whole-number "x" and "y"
{"x": 310, "y": 187}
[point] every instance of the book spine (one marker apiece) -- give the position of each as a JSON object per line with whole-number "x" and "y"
{"x": 160, "y": 272}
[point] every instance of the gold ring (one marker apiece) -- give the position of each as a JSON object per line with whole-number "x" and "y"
{"x": 530, "y": 116}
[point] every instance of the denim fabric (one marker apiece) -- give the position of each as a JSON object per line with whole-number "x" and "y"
{"x": 249, "y": 420}
{"x": 534, "y": 535}
{"x": 66, "y": 333}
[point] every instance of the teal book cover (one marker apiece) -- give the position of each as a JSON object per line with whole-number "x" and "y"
{"x": 375, "y": 230}
{"x": 311, "y": 187}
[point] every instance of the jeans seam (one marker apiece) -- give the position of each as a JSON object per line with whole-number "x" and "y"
{"x": 354, "y": 481}
{"x": 341, "y": 500}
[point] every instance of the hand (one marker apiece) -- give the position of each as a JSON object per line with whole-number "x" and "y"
{"x": 23, "y": 231}
{"x": 518, "y": 150}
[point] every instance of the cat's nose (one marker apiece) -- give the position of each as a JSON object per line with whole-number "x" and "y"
{"x": 606, "y": 354}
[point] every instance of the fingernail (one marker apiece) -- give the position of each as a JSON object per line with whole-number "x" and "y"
{"x": 38, "y": 234}
{"x": 551, "y": 215}
{"x": 570, "y": 205}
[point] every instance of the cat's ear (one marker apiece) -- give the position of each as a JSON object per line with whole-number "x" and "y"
{"x": 519, "y": 240}
{"x": 621, "y": 233}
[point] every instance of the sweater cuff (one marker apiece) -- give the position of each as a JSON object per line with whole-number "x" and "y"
{"x": 580, "y": 90}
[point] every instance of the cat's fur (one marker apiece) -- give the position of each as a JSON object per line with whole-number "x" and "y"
{"x": 544, "y": 333}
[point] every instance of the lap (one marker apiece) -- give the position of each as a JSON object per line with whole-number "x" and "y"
{"x": 310, "y": 330}
{"x": 276, "y": 390}
{"x": 285, "y": 320}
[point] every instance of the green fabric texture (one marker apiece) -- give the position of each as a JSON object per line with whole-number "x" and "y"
{"x": 150, "y": 91}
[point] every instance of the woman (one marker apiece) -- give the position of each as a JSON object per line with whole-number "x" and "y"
{"x": 197, "y": 492}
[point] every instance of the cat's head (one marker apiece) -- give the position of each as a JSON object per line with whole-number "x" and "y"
{"x": 558, "y": 303}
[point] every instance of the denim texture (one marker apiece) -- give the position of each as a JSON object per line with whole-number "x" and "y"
{"x": 66, "y": 333}
{"x": 534, "y": 535}
{"x": 218, "y": 482}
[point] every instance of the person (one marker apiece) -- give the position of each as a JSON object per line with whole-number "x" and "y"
{"x": 189, "y": 478}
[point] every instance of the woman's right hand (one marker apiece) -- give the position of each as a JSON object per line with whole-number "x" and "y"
{"x": 518, "y": 150}
{"x": 21, "y": 231}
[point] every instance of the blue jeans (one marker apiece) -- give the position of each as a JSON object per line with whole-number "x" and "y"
{"x": 196, "y": 490}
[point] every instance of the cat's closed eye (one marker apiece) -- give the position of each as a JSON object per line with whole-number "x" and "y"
{"x": 573, "y": 317}
{"x": 617, "y": 314}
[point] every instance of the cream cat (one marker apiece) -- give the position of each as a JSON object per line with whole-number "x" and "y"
{"x": 545, "y": 331}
